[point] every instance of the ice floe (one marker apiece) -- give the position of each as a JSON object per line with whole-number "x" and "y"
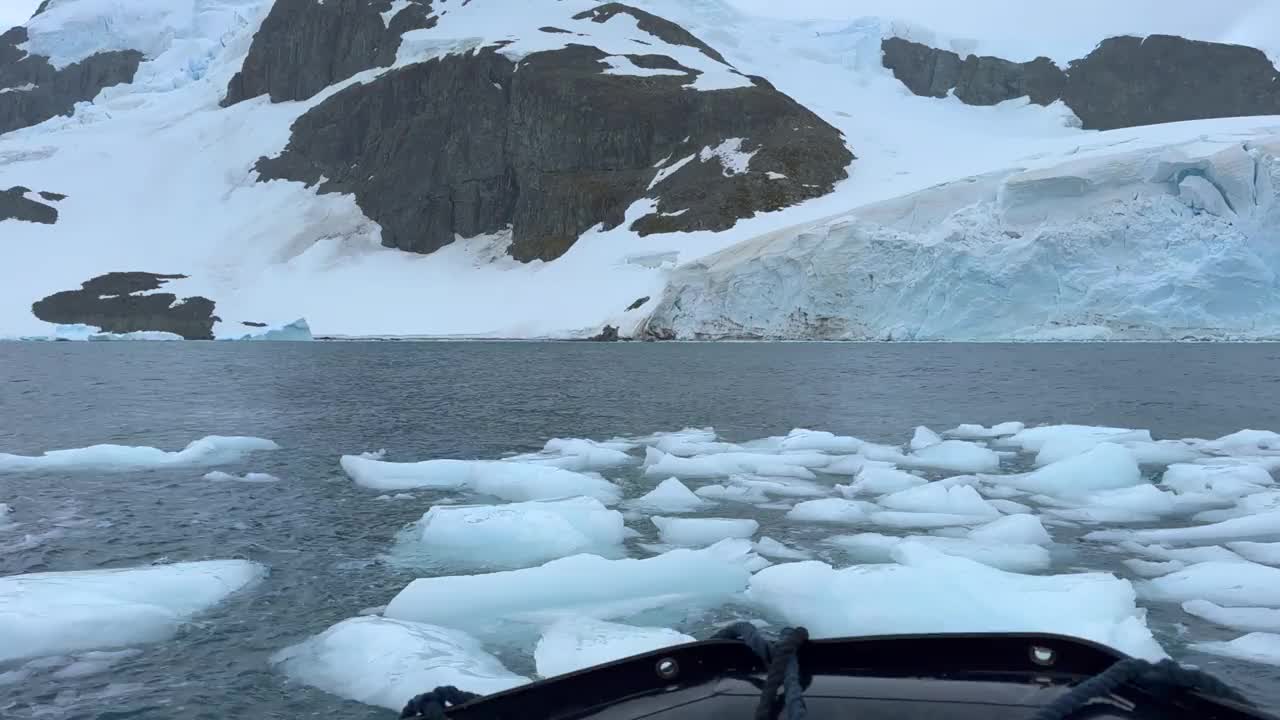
{"x": 219, "y": 476}
{"x": 515, "y": 534}
{"x": 586, "y": 585}
{"x": 517, "y": 481}
{"x": 953, "y": 455}
{"x": 671, "y": 496}
{"x": 831, "y": 510}
{"x": 386, "y": 662}
{"x": 928, "y": 591}
{"x": 923, "y": 437}
{"x": 1105, "y": 466}
{"x": 210, "y": 450}
{"x": 700, "y": 532}
{"x": 771, "y": 548}
{"x": 936, "y": 498}
{"x": 880, "y": 480}
{"x": 1232, "y": 584}
{"x": 1256, "y": 647}
{"x": 970, "y": 431}
{"x": 1245, "y": 619}
{"x": 575, "y": 643}
{"x": 580, "y": 454}
{"x": 54, "y": 613}
{"x": 1021, "y": 558}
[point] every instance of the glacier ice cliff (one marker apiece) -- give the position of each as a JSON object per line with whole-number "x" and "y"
{"x": 1180, "y": 241}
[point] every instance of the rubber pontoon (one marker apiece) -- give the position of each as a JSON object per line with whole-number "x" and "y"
{"x": 739, "y": 674}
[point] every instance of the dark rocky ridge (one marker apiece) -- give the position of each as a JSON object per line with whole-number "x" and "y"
{"x": 1125, "y": 82}
{"x": 14, "y": 205}
{"x": 464, "y": 145}
{"x": 54, "y": 92}
{"x": 304, "y": 47}
{"x": 106, "y": 302}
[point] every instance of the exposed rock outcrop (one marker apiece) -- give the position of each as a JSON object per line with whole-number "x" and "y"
{"x": 559, "y": 147}
{"x": 1125, "y": 82}
{"x": 32, "y": 90}
{"x": 15, "y": 205}
{"x": 305, "y": 46}
{"x": 114, "y": 303}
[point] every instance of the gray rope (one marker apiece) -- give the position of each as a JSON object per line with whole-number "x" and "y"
{"x": 1164, "y": 678}
{"x": 782, "y": 668}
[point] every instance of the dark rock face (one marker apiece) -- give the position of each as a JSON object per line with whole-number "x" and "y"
{"x": 52, "y": 196}
{"x": 15, "y": 205}
{"x": 1124, "y": 82}
{"x": 607, "y": 334}
{"x": 1128, "y": 81}
{"x": 37, "y": 91}
{"x": 106, "y": 302}
{"x": 638, "y": 302}
{"x": 555, "y": 149}
{"x": 304, "y": 46}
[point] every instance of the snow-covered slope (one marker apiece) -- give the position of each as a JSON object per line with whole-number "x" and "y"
{"x": 160, "y": 178}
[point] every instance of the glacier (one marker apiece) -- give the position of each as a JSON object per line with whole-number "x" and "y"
{"x": 1177, "y": 241}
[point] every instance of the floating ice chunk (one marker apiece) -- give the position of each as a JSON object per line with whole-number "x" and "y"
{"x": 1022, "y": 558}
{"x": 821, "y": 441}
{"x": 1254, "y": 504}
{"x": 953, "y": 455}
{"x": 1229, "y": 481}
{"x": 1270, "y": 463}
{"x": 60, "y": 612}
{"x": 578, "y": 455}
{"x": 1102, "y": 515}
{"x": 507, "y": 480}
{"x": 880, "y": 480}
{"x": 733, "y": 493}
{"x": 1162, "y": 452}
{"x": 1236, "y": 584}
{"x": 978, "y": 432}
{"x": 932, "y": 592}
{"x": 1153, "y": 568}
{"x": 219, "y": 476}
{"x": 1140, "y": 503}
{"x": 1013, "y": 529}
{"x": 935, "y": 498}
{"x": 210, "y": 450}
{"x": 852, "y": 465}
{"x": 1265, "y": 525}
{"x": 1104, "y": 467}
{"x": 1255, "y": 647}
{"x": 1211, "y": 553}
{"x": 1010, "y": 507}
{"x": 881, "y": 453}
{"x": 769, "y": 547}
{"x": 1243, "y": 619}
{"x": 794, "y": 465}
{"x": 832, "y": 510}
{"x": 1245, "y": 442}
{"x": 700, "y": 532}
{"x": 998, "y": 491}
{"x": 1062, "y": 436}
{"x": 782, "y": 487}
{"x": 1265, "y": 553}
{"x": 518, "y": 534}
{"x": 690, "y": 448}
{"x": 689, "y": 434}
{"x": 670, "y": 496}
{"x": 385, "y": 662}
{"x": 576, "y": 643}
{"x": 1078, "y": 440}
{"x": 923, "y": 521}
{"x": 578, "y": 585}
{"x": 923, "y": 438}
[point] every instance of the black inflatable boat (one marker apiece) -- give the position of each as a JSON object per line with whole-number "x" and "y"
{"x": 740, "y": 674}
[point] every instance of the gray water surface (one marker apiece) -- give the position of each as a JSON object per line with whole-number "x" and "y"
{"x": 323, "y": 538}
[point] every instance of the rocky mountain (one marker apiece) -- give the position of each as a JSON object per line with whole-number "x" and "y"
{"x": 662, "y": 169}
